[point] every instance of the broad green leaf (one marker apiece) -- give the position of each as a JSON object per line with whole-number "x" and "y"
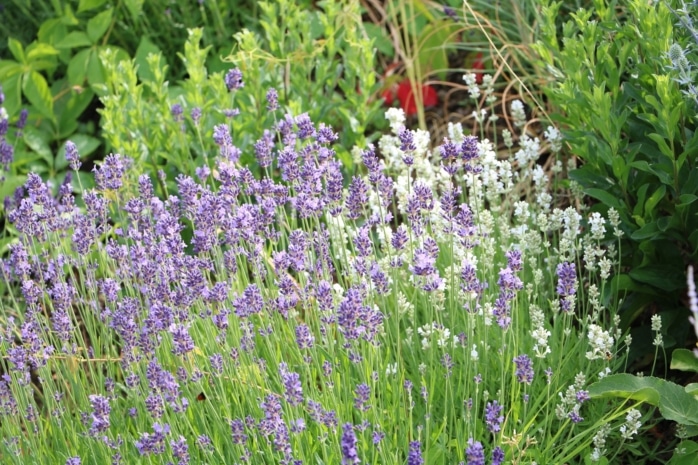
{"x": 606, "y": 197}
{"x": 39, "y": 50}
{"x": 135, "y": 7}
{"x": 10, "y": 183}
{"x": 51, "y": 31}
{"x": 86, "y": 5}
{"x": 588, "y": 177}
{"x": 649, "y": 230}
{"x": 12, "y": 88}
{"x": 74, "y": 40}
{"x": 653, "y": 200}
{"x": 36, "y": 90}
{"x": 673, "y": 401}
{"x": 69, "y": 111}
{"x": 95, "y": 70}
{"x": 97, "y": 26}
{"x": 17, "y": 50}
{"x": 37, "y": 141}
{"x": 685, "y": 453}
{"x": 692, "y": 389}
{"x": 380, "y": 40}
{"x": 664, "y": 276}
{"x": 77, "y": 67}
{"x": 684, "y": 360}
{"x": 662, "y": 144}
{"x": 9, "y": 68}
{"x": 145, "y": 48}
{"x": 686, "y": 199}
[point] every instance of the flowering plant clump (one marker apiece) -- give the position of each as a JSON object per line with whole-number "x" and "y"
{"x": 415, "y": 313}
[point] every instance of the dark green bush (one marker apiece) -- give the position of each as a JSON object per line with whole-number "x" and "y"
{"x": 633, "y": 129}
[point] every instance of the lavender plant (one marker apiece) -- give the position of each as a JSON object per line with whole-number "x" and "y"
{"x": 412, "y": 314}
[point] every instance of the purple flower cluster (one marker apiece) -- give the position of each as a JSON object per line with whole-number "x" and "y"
{"x": 153, "y": 443}
{"x": 350, "y": 455}
{"x": 6, "y": 149}
{"x": 292, "y": 385}
{"x": 524, "y": 369}
{"x": 100, "y": 414}
{"x": 415, "y": 455}
{"x": 109, "y": 175}
{"x": 233, "y": 79}
{"x": 493, "y": 416}
{"x": 566, "y": 285}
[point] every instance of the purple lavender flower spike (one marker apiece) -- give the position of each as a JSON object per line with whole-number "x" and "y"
{"x": 349, "y": 454}
{"x": 493, "y": 417}
{"x": 108, "y": 176}
{"x": 524, "y": 369}
{"x": 100, "y": 414}
{"x": 272, "y": 99}
{"x": 475, "y": 453}
{"x": 363, "y": 395}
{"x": 292, "y": 385}
{"x": 415, "y": 455}
{"x": 497, "y": 456}
{"x": 233, "y": 79}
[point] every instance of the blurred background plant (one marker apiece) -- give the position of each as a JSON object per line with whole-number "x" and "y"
{"x": 51, "y": 68}
{"x": 322, "y": 52}
{"x": 629, "y": 118}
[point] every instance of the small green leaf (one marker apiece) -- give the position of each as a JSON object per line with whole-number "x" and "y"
{"x": 684, "y": 360}
{"x": 74, "y": 40}
{"x": 97, "y": 26}
{"x": 86, "y": 5}
{"x": 17, "y": 50}
{"x": 36, "y": 90}
{"x": 673, "y": 401}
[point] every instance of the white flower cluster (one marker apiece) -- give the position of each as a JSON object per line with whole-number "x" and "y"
{"x": 539, "y": 333}
{"x": 518, "y": 114}
{"x": 600, "y": 442}
{"x": 601, "y": 343}
{"x": 632, "y": 424}
{"x": 569, "y": 405}
{"x": 434, "y": 330}
{"x": 692, "y": 302}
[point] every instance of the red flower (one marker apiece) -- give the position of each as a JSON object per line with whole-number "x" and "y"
{"x": 479, "y": 63}
{"x": 406, "y": 98}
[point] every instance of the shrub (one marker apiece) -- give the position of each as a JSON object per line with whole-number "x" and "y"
{"x": 627, "y": 120}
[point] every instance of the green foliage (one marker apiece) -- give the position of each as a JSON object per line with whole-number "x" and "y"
{"x": 319, "y": 61}
{"x": 321, "y": 55}
{"x": 53, "y": 63}
{"x": 629, "y": 123}
{"x": 57, "y": 74}
{"x": 673, "y": 401}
